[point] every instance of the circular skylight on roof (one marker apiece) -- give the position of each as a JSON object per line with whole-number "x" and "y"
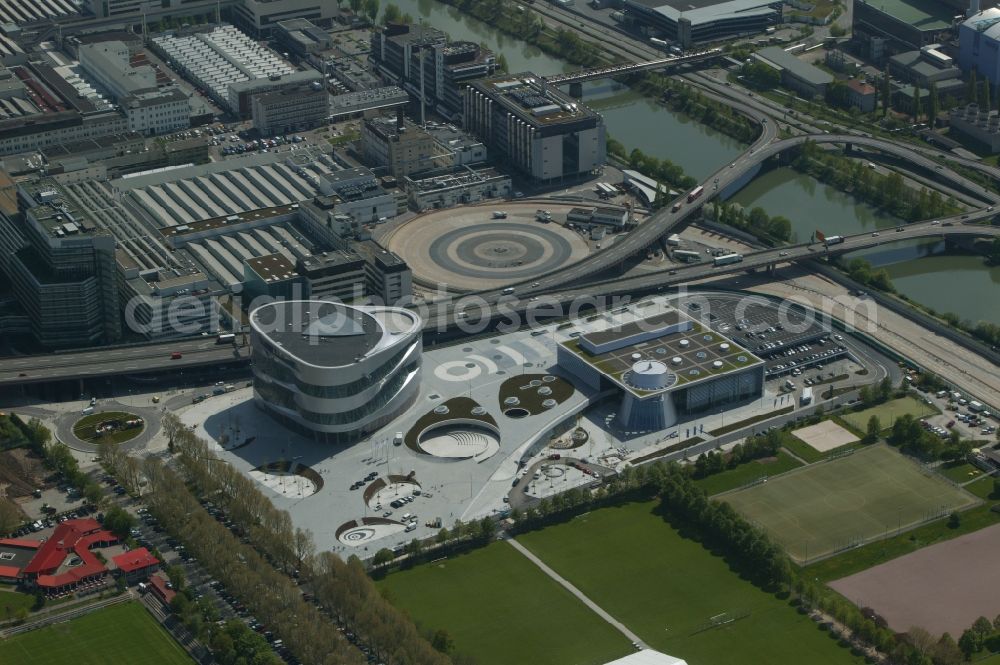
{"x": 694, "y": 372}
{"x": 708, "y": 338}
{"x": 742, "y": 359}
{"x": 701, "y": 355}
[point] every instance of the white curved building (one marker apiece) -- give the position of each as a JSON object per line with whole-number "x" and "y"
{"x": 331, "y": 371}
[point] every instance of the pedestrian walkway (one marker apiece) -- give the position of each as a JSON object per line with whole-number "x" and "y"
{"x": 618, "y": 625}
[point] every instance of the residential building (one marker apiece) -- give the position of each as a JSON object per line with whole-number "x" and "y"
{"x": 535, "y": 128}
{"x": 334, "y": 372}
{"x": 290, "y": 109}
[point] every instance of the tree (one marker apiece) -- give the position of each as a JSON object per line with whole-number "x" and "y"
{"x": 371, "y": 10}
{"x": 392, "y": 14}
{"x": 356, "y": 5}
{"x": 502, "y": 63}
{"x": 442, "y": 641}
{"x": 382, "y": 557}
{"x": 886, "y": 93}
{"x": 10, "y": 516}
{"x": 933, "y": 104}
{"x": 954, "y": 520}
{"x": 118, "y": 521}
{"x": 917, "y": 106}
{"x": 874, "y": 429}
{"x": 987, "y": 98}
{"x": 972, "y": 92}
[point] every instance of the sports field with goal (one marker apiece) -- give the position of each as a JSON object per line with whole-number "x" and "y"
{"x": 847, "y": 501}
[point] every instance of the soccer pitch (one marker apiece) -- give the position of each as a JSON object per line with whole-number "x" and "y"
{"x": 500, "y": 608}
{"x": 123, "y": 633}
{"x": 667, "y": 589}
{"x": 829, "y": 506}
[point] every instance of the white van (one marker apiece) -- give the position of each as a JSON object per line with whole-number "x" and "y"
{"x": 407, "y": 517}
{"x": 88, "y": 410}
{"x": 499, "y": 214}
{"x": 412, "y": 526}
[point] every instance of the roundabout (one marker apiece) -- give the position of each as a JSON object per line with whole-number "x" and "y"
{"x": 467, "y": 247}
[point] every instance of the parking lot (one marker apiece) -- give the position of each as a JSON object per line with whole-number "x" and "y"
{"x": 788, "y": 340}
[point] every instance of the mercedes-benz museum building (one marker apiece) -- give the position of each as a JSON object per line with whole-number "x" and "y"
{"x": 334, "y": 372}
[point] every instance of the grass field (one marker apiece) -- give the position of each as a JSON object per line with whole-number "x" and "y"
{"x": 888, "y": 412}
{"x": 85, "y": 428}
{"x": 500, "y": 608}
{"x": 745, "y": 473}
{"x": 123, "y": 633}
{"x": 665, "y": 588}
{"x": 959, "y": 472}
{"x": 981, "y": 487}
{"x": 828, "y": 506}
{"x": 11, "y": 601}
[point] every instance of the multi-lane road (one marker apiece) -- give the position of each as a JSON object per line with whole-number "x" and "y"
{"x": 567, "y": 282}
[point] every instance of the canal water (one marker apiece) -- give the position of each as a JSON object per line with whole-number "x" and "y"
{"x": 956, "y": 283}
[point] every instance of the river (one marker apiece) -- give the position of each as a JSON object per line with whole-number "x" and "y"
{"x": 960, "y": 284}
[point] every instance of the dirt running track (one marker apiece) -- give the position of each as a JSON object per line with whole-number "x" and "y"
{"x": 943, "y": 587}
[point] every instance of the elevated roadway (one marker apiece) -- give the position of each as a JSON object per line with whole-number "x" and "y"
{"x": 624, "y": 69}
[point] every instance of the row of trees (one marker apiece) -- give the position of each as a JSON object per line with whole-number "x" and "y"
{"x": 754, "y": 447}
{"x": 689, "y": 100}
{"x": 982, "y": 635}
{"x": 885, "y": 191}
{"x": 389, "y": 633}
{"x": 909, "y": 436}
{"x": 272, "y": 596}
{"x": 861, "y": 271}
{"x": 756, "y": 222}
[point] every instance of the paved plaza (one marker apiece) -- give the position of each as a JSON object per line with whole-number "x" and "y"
{"x": 465, "y": 248}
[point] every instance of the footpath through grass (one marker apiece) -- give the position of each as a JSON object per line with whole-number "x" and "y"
{"x": 122, "y": 634}
{"x": 748, "y": 472}
{"x": 500, "y": 608}
{"x": 666, "y": 588}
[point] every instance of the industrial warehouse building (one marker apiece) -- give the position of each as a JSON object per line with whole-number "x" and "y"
{"x": 333, "y": 372}
{"x": 689, "y": 23}
{"x": 902, "y": 25}
{"x": 979, "y": 44}
{"x": 665, "y": 366}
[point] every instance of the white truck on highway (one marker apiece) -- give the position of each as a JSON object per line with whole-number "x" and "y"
{"x": 726, "y": 259}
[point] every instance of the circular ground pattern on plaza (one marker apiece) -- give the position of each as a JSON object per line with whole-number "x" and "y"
{"x": 468, "y": 253}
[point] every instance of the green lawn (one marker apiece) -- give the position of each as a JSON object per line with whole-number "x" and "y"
{"x": 666, "y": 588}
{"x": 123, "y": 634}
{"x": 888, "y": 412}
{"x": 803, "y": 449}
{"x": 959, "y": 472}
{"x": 11, "y": 601}
{"x": 85, "y": 428}
{"x": 832, "y": 505}
{"x": 745, "y": 473}
{"x": 981, "y": 487}
{"x": 500, "y": 608}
